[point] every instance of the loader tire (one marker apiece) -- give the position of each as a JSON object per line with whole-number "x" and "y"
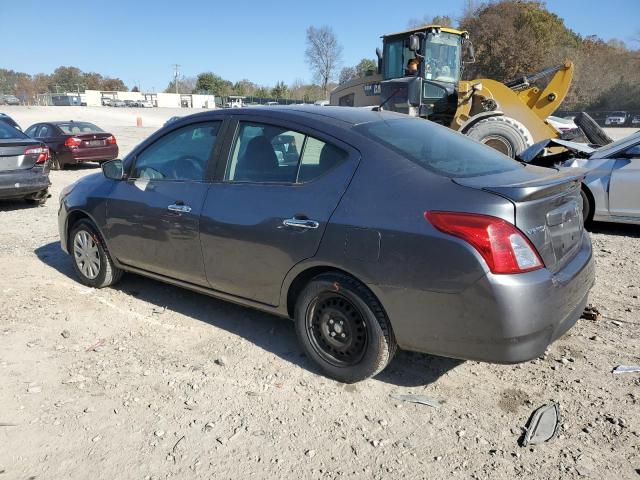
{"x": 505, "y": 134}
{"x": 592, "y": 130}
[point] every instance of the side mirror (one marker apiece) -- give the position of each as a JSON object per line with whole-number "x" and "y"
{"x": 632, "y": 152}
{"x": 470, "y": 52}
{"x": 414, "y": 43}
{"x": 113, "y": 169}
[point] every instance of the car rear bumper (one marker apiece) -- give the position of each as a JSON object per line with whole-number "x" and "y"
{"x": 21, "y": 183}
{"x": 501, "y": 318}
{"x": 80, "y": 155}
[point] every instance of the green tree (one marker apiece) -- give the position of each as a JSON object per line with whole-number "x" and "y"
{"x": 262, "y": 92}
{"x": 280, "y": 90}
{"x": 365, "y": 66}
{"x": 209, "y": 82}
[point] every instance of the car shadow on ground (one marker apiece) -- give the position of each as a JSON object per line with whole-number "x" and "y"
{"x": 619, "y": 229}
{"x": 13, "y": 205}
{"x": 269, "y": 332}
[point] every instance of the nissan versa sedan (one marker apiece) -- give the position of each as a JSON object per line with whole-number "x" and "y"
{"x": 384, "y": 232}
{"x": 71, "y": 143}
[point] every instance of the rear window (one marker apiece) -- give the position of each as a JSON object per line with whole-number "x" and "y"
{"x": 73, "y": 128}
{"x": 437, "y": 148}
{"x": 7, "y": 132}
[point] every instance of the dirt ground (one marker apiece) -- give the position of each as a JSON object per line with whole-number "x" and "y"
{"x": 150, "y": 381}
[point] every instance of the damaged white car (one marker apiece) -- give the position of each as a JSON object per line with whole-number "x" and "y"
{"x": 611, "y": 186}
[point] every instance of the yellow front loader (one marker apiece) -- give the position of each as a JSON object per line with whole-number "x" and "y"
{"x": 508, "y": 117}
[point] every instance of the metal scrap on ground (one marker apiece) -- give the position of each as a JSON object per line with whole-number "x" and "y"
{"x": 626, "y": 369}
{"x": 421, "y": 399}
{"x": 543, "y": 425}
{"x": 591, "y": 313}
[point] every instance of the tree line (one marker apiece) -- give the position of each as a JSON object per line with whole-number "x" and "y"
{"x": 63, "y": 79}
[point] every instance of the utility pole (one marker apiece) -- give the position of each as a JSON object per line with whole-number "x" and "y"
{"x": 176, "y": 74}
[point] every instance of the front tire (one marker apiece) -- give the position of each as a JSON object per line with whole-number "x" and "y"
{"x": 91, "y": 260}
{"x": 505, "y": 134}
{"x": 343, "y": 328}
{"x": 587, "y": 208}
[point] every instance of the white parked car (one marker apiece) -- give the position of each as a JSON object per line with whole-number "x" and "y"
{"x": 616, "y": 118}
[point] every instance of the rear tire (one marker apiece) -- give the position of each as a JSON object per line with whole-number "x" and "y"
{"x": 505, "y": 134}
{"x": 39, "y": 198}
{"x": 343, "y": 328}
{"x": 55, "y": 163}
{"x": 91, "y": 260}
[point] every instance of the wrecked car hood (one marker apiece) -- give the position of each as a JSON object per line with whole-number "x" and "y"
{"x": 528, "y": 155}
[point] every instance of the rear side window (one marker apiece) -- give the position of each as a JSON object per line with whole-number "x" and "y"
{"x": 437, "y": 148}
{"x": 269, "y": 154}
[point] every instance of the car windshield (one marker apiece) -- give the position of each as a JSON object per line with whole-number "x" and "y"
{"x": 73, "y": 128}
{"x": 442, "y": 57}
{"x": 437, "y": 148}
{"x": 7, "y": 132}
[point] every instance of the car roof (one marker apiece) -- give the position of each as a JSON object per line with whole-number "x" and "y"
{"x": 347, "y": 115}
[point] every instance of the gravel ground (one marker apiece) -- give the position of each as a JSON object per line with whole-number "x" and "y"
{"x": 147, "y": 380}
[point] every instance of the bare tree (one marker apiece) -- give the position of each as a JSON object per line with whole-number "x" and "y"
{"x": 323, "y": 54}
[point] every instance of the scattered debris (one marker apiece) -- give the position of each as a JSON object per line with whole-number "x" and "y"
{"x": 95, "y": 345}
{"x": 159, "y": 433}
{"x": 626, "y": 369}
{"x": 542, "y": 426}
{"x": 221, "y": 361}
{"x": 310, "y": 453}
{"x": 591, "y": 312}
{"x": 421, "y": 399}
{"x": 65, "y": 334}
{"x": 176, "y": 444}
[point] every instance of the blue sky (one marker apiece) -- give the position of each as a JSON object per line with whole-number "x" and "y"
{"x": 263, "y": 41}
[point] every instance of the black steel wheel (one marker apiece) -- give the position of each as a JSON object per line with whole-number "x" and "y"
{"x": 337, "y": 329}
{"x": 343, "y": 328}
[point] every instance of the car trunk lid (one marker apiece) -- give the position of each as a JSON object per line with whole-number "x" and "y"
{"x": 12, "y": 156}
{"x": 93, "y": 140}
{"x": 548, "y": 208}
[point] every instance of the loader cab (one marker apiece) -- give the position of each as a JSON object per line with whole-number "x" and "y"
{"x": 432, "y": 91}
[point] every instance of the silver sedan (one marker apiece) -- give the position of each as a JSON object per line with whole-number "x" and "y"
{"x": 611, "y": 187}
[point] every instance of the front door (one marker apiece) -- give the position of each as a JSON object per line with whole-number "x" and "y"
{"x": 153, "y": 216}
{"x": 270, "y": 209}
{"x": 624, "y": 198}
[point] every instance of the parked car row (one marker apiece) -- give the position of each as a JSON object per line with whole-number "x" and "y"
{"x": 622, "y": 119}
{"x": 9, "y": 100}
{"x": 112, "y": 102}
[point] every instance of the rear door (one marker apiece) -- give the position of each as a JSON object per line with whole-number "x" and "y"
{"x": 624, "y": 186}
{"x": 153, "y": 216}
{"x": 269, "y": 207}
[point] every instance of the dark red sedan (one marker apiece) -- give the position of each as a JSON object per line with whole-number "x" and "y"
{"x": 71, "y": 143}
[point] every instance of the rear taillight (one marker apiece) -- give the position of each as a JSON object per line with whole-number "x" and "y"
{"x": 111, "y": 140}
{"x": 41, "y": 152}
{"x": 72, "y": 142}
{"x": 500, "y": 243}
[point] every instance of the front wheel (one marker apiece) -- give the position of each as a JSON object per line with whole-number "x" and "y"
{"x": 55, "y": 162}
{"x": 505, "y": 134}
{"x": 91, "y": 260}
{"x": 343, "y": 328}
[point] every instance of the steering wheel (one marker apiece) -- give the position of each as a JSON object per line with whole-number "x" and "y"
{"x": 187, "y": 168}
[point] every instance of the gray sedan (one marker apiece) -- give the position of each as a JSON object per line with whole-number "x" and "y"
{"x": 375, "y": 231}
{"x": 611, "y": 187}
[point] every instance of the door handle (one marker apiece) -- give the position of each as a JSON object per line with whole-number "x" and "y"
{"x": 300, "y": 223}
{"x": 179, "y": 208}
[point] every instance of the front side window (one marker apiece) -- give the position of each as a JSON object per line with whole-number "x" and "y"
{"x": 396, "y": 58}
{"x": 269, "y": 154}
{"x": 179, "y": 155}
{"x": 438, "y": 149}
